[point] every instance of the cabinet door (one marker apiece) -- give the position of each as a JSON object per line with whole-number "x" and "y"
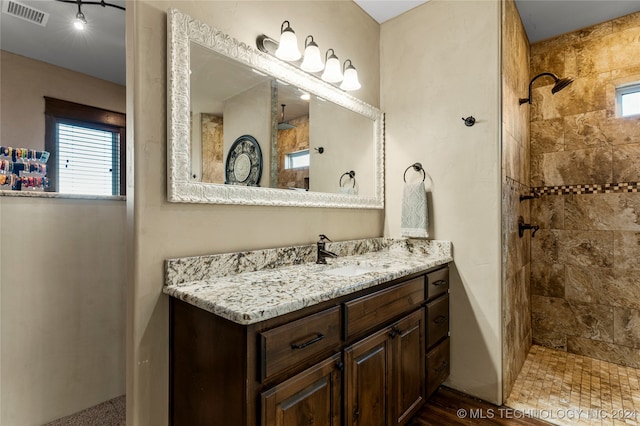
{"x": 408, "y": 366}
{"x": 367, "y": 380}
{"x": 311, "y": 398}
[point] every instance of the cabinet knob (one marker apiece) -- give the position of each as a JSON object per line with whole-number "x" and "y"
{"x": 340, "y": 366}
{"x": 394, "y": 332}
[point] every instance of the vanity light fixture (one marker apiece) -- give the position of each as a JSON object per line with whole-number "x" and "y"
{"x": 80, "y": 22}
{"x": 350, "y": 81}
{"x": 560, "y": 83}
{"x": 287, "y": 49}
{"x": 312, "y": 61}
{"x": 288, "y": 46}
{"x": 332, "y": 72}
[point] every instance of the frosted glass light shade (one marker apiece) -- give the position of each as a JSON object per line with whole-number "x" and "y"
{"x": 312, "y": 61}
{"x": 332, "y": 72}
{"x": 288, "y": 47}
{"x": 350, "y": 81}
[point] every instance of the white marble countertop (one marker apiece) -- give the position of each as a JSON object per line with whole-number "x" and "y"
{"x": 250, "y": 297}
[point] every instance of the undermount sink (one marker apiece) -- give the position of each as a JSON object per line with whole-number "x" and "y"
{"x": 352, "y": 270}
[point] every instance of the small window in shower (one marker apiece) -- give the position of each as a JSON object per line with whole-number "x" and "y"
{"x": 295, "y": 160}
{"x": 628, "y": 100}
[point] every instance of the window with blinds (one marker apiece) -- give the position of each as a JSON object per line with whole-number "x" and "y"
{"x": 87, "y": 148}
{"x": 88, "y": 160}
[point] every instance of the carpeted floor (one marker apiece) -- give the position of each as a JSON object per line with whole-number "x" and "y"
{"x": 109, "y": 413}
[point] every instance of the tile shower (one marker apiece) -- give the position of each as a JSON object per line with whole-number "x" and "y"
{"x": 575, "y": 287}
{"x": 585, "y": 161}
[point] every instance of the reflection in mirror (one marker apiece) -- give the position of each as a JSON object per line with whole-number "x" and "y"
{"x": 309, "y": 133}
{"x": 229, "y": 99}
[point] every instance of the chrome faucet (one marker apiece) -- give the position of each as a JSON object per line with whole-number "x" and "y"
{"x": 323, "y": 253}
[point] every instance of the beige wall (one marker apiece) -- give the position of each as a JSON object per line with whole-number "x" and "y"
{"x": 62, "y": 281}
{"x": 516, "y": 258}
{"x": 440, "y": 62}
{"x": 249, "y": 113}
{"x": 63, "y": 306}
{"x": 342, "y": 134}
{"x": 162, "y": 230}
{"x": 25, "y": 82}
{"x": 585, "y": 277}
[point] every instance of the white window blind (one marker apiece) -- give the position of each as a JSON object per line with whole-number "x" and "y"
{"x": 88, "y": 160}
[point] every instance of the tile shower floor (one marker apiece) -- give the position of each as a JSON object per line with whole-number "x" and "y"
{"x": 568, "y": 389}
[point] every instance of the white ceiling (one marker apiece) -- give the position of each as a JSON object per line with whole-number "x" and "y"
{"x": 544, "y": 19}
{"x": 100, "y": 50}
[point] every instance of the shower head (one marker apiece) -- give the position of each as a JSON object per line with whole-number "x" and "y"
{"x": 560, "y": 83}
{"x": 281, "y": 124}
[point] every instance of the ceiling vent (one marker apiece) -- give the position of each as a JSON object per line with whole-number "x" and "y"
{"x": 27, "y": 13}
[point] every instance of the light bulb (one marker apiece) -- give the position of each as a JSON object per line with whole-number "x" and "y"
{"x": 288, "y": 46}
{"x": 312, "y": 61}
{"x": 332, "y": 72}
{"x": 80, "y": 22}
{"x": 350, "y": 81}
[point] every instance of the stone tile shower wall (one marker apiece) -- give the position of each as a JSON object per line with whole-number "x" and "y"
{"x": 585, "y": 161}
{"x": 515, "y": 178}
{"x": 293, "y": 140}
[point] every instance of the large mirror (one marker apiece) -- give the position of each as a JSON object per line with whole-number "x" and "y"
{"x": 247, "y": 128}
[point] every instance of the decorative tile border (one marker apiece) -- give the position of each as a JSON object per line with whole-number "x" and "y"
{"x": 604, "y": 188}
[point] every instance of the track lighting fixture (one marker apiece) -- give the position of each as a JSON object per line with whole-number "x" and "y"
{"x": 80, "y": 22}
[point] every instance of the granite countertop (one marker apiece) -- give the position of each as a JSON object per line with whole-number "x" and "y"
{"x": 250, "y": 296}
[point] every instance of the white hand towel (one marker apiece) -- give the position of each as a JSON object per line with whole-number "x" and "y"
{"x": 414, "y": 219}
{"x": 346, "y": 190}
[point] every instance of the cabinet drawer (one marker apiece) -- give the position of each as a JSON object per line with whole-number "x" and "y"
{"x": 286, "y": 346}
{"x": 437, "y": 366}
{"x": 437, "y": 282}
{"x": 375, "y": 309}
{"x": 437, "y": 319}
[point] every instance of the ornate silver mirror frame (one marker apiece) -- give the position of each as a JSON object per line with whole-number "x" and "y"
{"x": 182, "y": 30}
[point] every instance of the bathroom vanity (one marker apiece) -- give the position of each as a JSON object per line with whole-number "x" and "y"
{"x": 362, "y": 341}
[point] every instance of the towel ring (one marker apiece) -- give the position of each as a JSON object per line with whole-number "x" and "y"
{"x": 418, "y": 168}
{"x": 351, "y": 174}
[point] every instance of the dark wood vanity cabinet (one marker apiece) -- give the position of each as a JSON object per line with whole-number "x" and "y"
{"x": 366, "y": 359}
{"x": 309, "y": 398}
{"x": 437, "y": 323}
{"x": 384, "y": 374}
